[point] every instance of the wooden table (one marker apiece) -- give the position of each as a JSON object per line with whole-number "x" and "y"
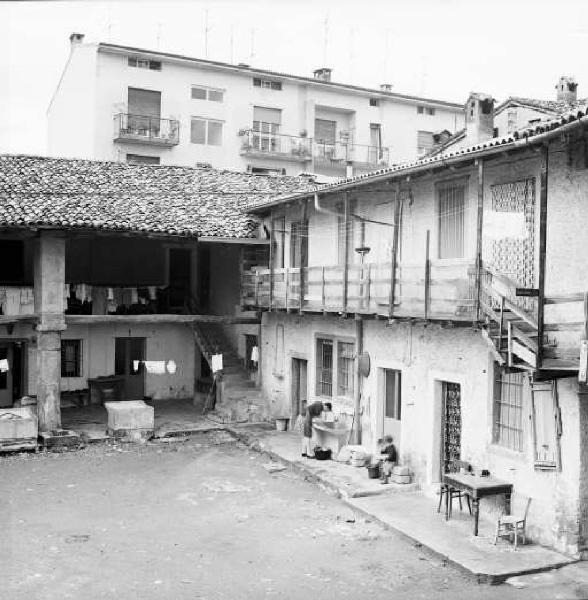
{"x": 477, "y": 487}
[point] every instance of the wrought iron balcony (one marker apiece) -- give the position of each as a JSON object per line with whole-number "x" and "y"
{"x": 140, "y": 129}
{"x": 336, "y": 155}
{"x": 275, "y": 145}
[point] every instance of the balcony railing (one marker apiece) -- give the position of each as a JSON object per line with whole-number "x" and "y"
{"x": 336, "y": 155}
{"x": 140, "y": 129}
{"x": 276, "y": 145}
{"x": 442, "y": 291}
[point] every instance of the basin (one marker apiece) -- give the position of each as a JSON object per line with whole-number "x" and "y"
{"x": 333, "y": 435}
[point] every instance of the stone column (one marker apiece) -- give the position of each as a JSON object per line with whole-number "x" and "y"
{"x": 49, "y": 269}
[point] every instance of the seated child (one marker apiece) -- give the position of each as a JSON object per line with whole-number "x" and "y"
{"x": 388, "y": 457}
{"x": 327, "y": 415}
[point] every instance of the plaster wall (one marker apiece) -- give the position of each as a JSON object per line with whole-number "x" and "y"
{"x": 524, "y": 115}
{"x": 426, "y": 356}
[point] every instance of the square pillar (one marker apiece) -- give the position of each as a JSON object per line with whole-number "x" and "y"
{"x": 49, "y": 278}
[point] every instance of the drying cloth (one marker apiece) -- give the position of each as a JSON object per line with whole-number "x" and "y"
{"x": 255, "y": 354}
{"x": 171, "y": 367}
{"x": 155, "y": 367}
{"x": 4, "y": 365}
{"x": 217, "y": 362}
{"x": 134, "y": 296}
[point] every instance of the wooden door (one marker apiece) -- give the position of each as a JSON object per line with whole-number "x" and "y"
{"x": 451, "y": 423}
{"x": 392, "y": 405}
{"x": 299, "y": 385}
{"x": 6, "y": 376}
{"x": 129, "y": 354}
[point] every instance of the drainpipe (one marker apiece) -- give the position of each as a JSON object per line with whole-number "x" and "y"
{"x": 356, "y": 435}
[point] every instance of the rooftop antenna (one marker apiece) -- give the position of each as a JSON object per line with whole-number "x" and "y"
{"x": 252, "y": 45}
{"x": 206, "y": 30}
{"x": 326, "y": 39}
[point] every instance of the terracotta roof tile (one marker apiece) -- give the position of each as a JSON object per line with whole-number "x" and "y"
{"x": 164, "y": 200}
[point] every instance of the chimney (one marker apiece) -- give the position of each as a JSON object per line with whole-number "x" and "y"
{"x": 76, "y": 38}
{"x": 440, "y": 137}
{"x": 479, "y": 118}
{"x": 323, "y": 74}
{"x": 567, "y": 89}
{"x": 386, "y": 87}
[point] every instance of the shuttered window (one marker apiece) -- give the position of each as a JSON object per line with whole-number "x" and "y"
{"x": 424, "y": 142}
{"x": 206, "y": 131}
{"x": 345, "y": 359}
{"x": 325, "y": 131}
{"x": 71, "y": 358}
{"x": 508, "y": 409}
{"x": 267, "y": 115}
{"x": 451, "y": 221}
{"x": 324, "y": 367}
{"x": 144, "y": 103}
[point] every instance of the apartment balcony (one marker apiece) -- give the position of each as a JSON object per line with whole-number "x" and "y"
{"x": 257, "y": 144}
{"x": 335, "y": 156}
{"x": 138, "y": 129}
{"x": 443, "y": 291}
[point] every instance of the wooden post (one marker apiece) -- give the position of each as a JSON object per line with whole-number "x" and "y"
{"x": 501, "y": 325}
{"x": 394, "y": 257}
{"x": 323, "y": 288}
{"x": 544, "y": 178}
{"x": 427, "y": 275}
{"x": 256, "y": 284}
{"x": 585, "y": 316}
{"x": 479, "y": 235}
{"x": 346, "y": 261}
{"x": 287, "y": 285}
{"x": 303, "y": 236}
{"x": 271, "y": 262}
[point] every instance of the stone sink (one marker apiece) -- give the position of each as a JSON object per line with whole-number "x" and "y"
{"x": 333, "y": 435}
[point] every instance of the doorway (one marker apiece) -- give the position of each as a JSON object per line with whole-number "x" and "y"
{"x": 11, "y": 372}
{"x": 129, "y": 356}
{"x": 450, "y": 424}
{"x": 179, "y": 277}
{"x": 299, "y": 386}
{"x": 392, "y": 405}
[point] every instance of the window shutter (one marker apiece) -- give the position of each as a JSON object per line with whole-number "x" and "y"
{"x": 267, "y": 115}
{"x": 325, "y": 130}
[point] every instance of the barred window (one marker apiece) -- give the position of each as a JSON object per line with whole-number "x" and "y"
{"x": 71, "y": 358}
{"x": 324, "y": 367}
{"x": 508, "y": 410}
{"x": 345, "y": 369}
{"x": 392, "y": 393}
{"x": 451, "y": 207}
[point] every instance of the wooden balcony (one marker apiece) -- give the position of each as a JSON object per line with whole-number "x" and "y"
{"x": 444, "y": 291}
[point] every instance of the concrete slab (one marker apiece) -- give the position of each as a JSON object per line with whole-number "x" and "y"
{"x": 18, "y": 429}
{"x": 415, "y": 516}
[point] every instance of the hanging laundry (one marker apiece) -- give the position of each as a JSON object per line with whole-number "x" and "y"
{"x": 152, "y": 292}
{"x": 12, "y": 301}
{"x": 255, "y": 354}
{"x": 110, "y": 294}
{"x": 134, "y": 296}
{"x": 66, "y": 293}
{"x": 217, "y": 362}
{"x": 136, "y": 365}
{"x": 171, "y": 367}
{"x": 4, "y": 365}
{"x": 155, "y": 367}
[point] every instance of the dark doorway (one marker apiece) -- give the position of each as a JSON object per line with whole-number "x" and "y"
{"x": 203, "y": 277}
{"x": 179, "y": 275}
{"x": 250, "y": 343}
{"x": 6, "y": 374}
{"x": 451, "y": 423}
{"x": 299, "y": 385}
{"x": 129, "y": 354}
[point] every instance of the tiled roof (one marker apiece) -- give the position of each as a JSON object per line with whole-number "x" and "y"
{"x": 144, "y": 199}
{"x": 517, "y": 139}
{"x": 554, "y": 107}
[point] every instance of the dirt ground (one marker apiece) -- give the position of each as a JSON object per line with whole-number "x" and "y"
{"x": 199, "y": 519}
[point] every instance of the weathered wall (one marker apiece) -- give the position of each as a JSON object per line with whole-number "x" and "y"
{"x": 426, "y": 356}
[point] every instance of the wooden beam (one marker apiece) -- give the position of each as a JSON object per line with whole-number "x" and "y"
{"x": 154, "y": 319}
{"x": 226, "y": 240}
{"x": 394, "y": 259}
{"x": 427, "y": 274}
{"x": 303, "y": 236}
{"x": 271, "y": 261}
{"x": 544, "y": 182}
{"x": 346, "y": 261}
{"x": 13, "y": 319}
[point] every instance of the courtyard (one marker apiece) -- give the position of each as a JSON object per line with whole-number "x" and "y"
{"x": 201, "y": 518}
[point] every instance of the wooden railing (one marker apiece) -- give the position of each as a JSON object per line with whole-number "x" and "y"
{"x": 444, "y": 290}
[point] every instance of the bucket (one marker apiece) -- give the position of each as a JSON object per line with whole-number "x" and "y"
{"x": 373, "y": 471}
{"x": 282, "y": 423}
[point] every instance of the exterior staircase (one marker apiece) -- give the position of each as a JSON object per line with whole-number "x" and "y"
{"x": 237, "y": 397}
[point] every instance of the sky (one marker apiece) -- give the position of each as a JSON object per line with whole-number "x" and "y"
{"x": 441, "y": 49}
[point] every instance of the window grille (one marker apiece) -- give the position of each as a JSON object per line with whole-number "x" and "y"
{"x": 324, "y": 367}
{"x": 392, "y": 393}
{"x": 71, "y": 358}
{"x": 508, "y": 410}
{"x": 451, "y": 207}
{"x": 345, "y": 369}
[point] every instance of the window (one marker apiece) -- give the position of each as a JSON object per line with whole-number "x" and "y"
{"x": 71, "y": 358}
{"x": 425, "y": 110}
{"x": 278, "y": 242}
{"x": 141, "y": 159}
{"x": 508, "y": 409}
{"x": 374, "y": 102}
{"x": 420, "y": 110}
{"x": 324, "y": 367}
{"x": 144, "y": 63}
{"x": 265, "y": 171}
{"x": 205, "y": 93}
{"x": 345, "y": 235}
{"x": 325, "y": 130}
{"x": 430, "y": 111}
{"x": 299, "y": 244}
{"x": 511, "y": 124}
{"x": 392, "y": 394}
{"x": 206, "y": 131}
{"x": 345, "y": 355}
{"x": 266, "y": 127}
{"x": 546, "y": 425}
{"x": 425, "y": 142}
{"x": 267, "y": 84}
{"x": 451, "y": 221}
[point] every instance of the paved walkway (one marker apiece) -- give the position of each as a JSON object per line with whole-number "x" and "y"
{"x": 407, "y": 510}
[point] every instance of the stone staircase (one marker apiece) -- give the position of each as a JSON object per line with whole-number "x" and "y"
{"x": 240, "y": 399}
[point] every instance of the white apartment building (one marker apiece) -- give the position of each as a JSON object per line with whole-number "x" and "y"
{"x": 128, "y": 104}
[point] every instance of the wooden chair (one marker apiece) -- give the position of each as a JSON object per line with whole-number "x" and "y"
{"x": 512, "y": 525}
{"x": 454, "y": 467}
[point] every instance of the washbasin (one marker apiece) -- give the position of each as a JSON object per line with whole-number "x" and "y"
{"x": 333, "y": 427}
